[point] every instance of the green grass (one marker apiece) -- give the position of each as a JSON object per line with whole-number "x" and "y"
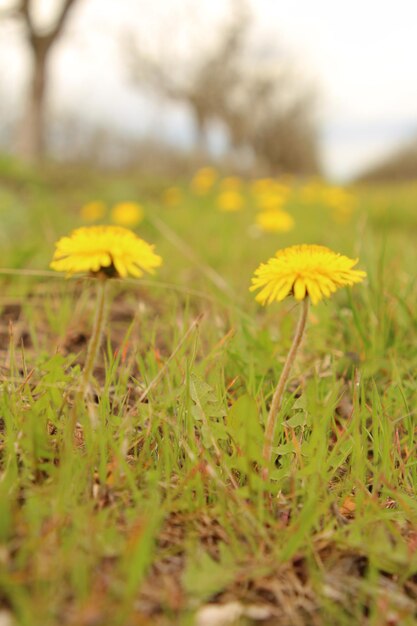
{"x": 161, "y": 509}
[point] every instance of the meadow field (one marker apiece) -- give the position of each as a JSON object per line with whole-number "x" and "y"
{"x": 156, "y": 512}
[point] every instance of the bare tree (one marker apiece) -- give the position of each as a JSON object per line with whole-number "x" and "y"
{"x": 274, "y": 115}
{"x": 203, "y": 83}
{"x": 32, "y": 132}
{"x": 264, "y": 107}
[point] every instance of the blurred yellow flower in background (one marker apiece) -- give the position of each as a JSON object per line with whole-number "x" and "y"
{"x": 341, "y": 202}
{"x": 275, "y": 221}
{"x": 261, "y": 185}
{"x": 93, "y": 211}
{"x": 127, "y": 214}
{"x": 270, "y": 194}
{"x": 172, "y": 196}
{"x": 304, "y": 270}
{"x": 270, "y": 201}
{"x": 112, "y": 250}
{"x": 281, "y": 188}
{"x": 311, "y": 192}
{"x": 203, "y": 180}
{"x": 334, "y": 195}
{"x": 230, "y": 201}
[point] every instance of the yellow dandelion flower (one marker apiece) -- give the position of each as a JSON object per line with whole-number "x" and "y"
{"x": 275, "y": 221}
{"x": 270, "y": 201}
{"x": 92, "y": 211}
{"x": 336, "y": 195}
{"x": 311, "y": 192}
{"x": 281, "y": 188}
{"x": 203, "y": 180}
{"x": 127, "y": 214}
{"x": 338, "y": 200}
{"x": 304, "y": 270}
{"x": 172, "y": 196}
{"x": 230, "y": 201}
{"x": 112, "y": 250}
{"x": 261, "y": 185}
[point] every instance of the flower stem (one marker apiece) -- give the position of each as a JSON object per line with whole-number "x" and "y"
{"x": 279, "y": 391}
{"x": 96, "y": 336}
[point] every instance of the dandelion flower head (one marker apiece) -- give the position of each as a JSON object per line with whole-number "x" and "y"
{"x": 270, "y": 201}
{"x": 230, "y": 201}
{"x": 127, "y": 214}
{"x": 275, "y": 221}
{"x": 270, "y": 194}
{"x": 92, "y": 211}
{"x": 204, "y": 180}
{"x": 261, "y": 186}
{"x": 304, "y": 270}
{"x": 112, "y": 250}
{"x": 312, "y": 191}
{"x": 341, "y": 203}
{"x": 172, "y": 196}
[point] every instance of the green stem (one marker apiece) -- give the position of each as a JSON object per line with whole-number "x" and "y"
{"x": 279, "y": 391}
{"x": 96, "y": 336}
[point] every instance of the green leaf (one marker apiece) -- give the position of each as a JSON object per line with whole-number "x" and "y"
{"x": 204, "y": 577}
{"x": 206, "y": 403}
{"x": 299, "y": 419}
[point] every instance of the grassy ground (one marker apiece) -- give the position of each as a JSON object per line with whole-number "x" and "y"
{"x": 161, "y": 513}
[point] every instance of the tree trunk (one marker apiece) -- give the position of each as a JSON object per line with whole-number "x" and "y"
{"x": 31, "y": 145}
{"x": 201, "y": 142}
{"x": 31, "y": 139}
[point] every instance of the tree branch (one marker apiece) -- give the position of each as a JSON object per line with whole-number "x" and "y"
{"x": 39, "y": 38}
{"x": 56, "y": 31}
{"x": 24, "y": 11}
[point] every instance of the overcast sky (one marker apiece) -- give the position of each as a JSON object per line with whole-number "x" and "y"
{"x": 362, "y": 53}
